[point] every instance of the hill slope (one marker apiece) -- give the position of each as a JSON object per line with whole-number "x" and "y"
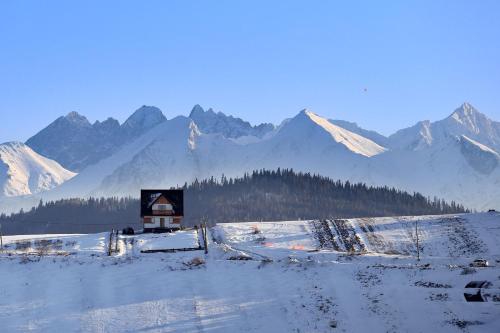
{"x": 258, "y": 276}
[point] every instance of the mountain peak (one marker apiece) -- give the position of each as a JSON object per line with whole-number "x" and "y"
{"x": 74, "y": 115}
{"x": 469, "y": 118}
{"x": 305, "y": 115}
{"x": 197, "y": 110}
{"x": 76, "y": 118}
{"x": 465, "y": 110}
{"x": 145, "y": 117}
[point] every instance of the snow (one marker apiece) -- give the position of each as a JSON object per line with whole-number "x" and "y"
{"x": 480, "y": 146}
{"x": 23, "y": 171}
{"x": 353, "y": 141}
{"x": 170, "y": 241}
{"x": 287, "y": 235}
{"x": 289, "y": 285}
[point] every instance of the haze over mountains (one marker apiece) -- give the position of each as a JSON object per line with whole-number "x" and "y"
{"x": 455, "y": 158}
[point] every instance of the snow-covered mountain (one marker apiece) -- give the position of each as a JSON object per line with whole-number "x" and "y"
{"x": 456, "y": 158}
{"x": 75, "y": 143}
{"x": 465, "y": 120}
{"x": 177, "y": 151}
{"x": 24, "y": 172}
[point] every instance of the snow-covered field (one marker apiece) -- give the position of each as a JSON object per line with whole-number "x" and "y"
{"x": 352, "y": 275}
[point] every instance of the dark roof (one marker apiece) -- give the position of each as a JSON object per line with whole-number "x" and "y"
{"x": 175, "y": 197}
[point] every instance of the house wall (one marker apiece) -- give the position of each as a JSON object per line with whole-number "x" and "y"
{"x": 170, "y": 222}
{"x": 168, "y": 210}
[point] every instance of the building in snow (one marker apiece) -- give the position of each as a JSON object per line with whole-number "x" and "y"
{"x": 162, "y": 210}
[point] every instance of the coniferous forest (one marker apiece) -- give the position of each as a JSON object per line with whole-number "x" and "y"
{"x": 260, "y": 196}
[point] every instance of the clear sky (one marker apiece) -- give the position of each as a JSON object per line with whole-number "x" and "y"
{"x": 260, "y": 60}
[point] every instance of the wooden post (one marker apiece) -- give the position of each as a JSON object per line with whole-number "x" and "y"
{"x": 110, "y": 241}
{"x": 116, "y": 241}
{"x": 418, "y": 247}
{"x": 204, "y": 233}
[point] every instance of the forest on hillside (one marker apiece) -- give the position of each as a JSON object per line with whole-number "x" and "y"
{"x": 258, "y": 196}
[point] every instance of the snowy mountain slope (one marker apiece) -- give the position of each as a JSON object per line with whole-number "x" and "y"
{"x": 483, "y": 159}
{"x": 289, "y": 282}
{"x": 353, "y": 127}
{"x": 75, "y": 143}
{"x": 174, "y": 134}
{"x": 211, "y": 123}
{"x": 169, "y": 160}
{"x": 416, "y": 137}
{"x": 24, "y": 172}
{"x": 447, "y": 169}
{"x": 350, "y": 140}
{"x": 309, "y": 143}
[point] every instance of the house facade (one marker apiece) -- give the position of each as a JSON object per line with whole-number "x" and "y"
{"x": 162, "y": 210}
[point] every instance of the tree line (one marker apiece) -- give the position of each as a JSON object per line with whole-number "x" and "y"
{"x": 262, "y": 195}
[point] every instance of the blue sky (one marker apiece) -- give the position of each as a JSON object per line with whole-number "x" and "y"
{"x": 259, "y": 60}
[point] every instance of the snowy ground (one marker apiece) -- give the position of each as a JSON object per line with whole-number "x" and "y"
{"x": 300, "y": 276}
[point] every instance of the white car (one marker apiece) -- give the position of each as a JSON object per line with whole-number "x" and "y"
{"x": 479, "y": 263}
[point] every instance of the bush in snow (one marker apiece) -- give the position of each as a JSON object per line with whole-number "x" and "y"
{"x": 196, "y": 261}
{"x": 468, "y": 270}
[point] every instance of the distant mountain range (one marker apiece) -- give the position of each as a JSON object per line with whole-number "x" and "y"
{"x": 75, "y": 143}
{"x": 455, "y": 158}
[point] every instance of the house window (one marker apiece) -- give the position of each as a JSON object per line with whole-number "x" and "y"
{"x": 162, "y": 207}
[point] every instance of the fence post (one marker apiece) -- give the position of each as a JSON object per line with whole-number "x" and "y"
{"x": 110, "y": 241}
{"x": 418, "y": 246}
{"x": 116, "y": 241}
{"x": 204, "y": 232}
{"x": 1, "y": 239}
